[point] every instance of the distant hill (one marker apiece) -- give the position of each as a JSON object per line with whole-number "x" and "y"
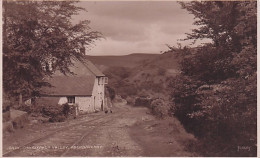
{"x": 129, "y": 61}
{"x": 137, "y": 74}
{"x": 167, "y": 61}
{"x": 156, "y": 71}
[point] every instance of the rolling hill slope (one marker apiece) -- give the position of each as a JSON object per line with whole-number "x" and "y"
{"x": 138, "y": 74}
{"x": 128, "y": 61}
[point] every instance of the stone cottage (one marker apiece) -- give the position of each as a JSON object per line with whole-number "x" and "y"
{"x": 85, "y": 88}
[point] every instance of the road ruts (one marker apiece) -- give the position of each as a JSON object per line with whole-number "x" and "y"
{"x": 111, "y": 139}
{"x": 60, "y": 142}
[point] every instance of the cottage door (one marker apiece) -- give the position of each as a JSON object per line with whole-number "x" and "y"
{"x": 94, "y": 103}
{"x": 102, "y": 106}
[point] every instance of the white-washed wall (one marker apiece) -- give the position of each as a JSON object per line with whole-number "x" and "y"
{"x": 84, "y": 104}
{"x": 63, "y": 100}
{"x": 98, "y": 95}
{"x": 90, "y": 104}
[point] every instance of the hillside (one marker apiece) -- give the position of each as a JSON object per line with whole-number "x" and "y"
{"x": 165, "y": 64}
{"x": 152, "y": 77}
{"x": 138, "y": 74}
{"x": 129, "y": 61}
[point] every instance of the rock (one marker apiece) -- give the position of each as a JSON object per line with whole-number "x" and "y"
{"x": 6, "y": 116}
{"x": 19, "y": 118}
{"x": 34, "y": 121}
{"x": 8, "y": 127}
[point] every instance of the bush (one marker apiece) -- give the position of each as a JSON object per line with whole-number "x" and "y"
{"x": 110, "y": 92}
{"x": 161, "y": 71}
{"x": 127, "y": 91}
{"x": 66, "y": 109}
{"x": 24, "y": 107}
{"x": 157, "y": 87}
{"x": 140, "y": 101}
{"x": 7, "y": 103}
{"x": 57, "y": 118}
{"x": 130, "y": 100}
{"x": 57, "y": 113}
{"x": 52, "y": 110}
{"x": 159, "y": 108}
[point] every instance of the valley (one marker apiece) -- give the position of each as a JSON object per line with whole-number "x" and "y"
{"x": 135, "y": 75}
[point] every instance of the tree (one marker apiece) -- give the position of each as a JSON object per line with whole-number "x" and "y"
{"x": 215, "y": 95}
{"x": 39, "y": 39}
{"x": 216, "y": 20}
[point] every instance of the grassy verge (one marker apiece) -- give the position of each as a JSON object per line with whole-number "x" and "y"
{"x": 162, "y": 138}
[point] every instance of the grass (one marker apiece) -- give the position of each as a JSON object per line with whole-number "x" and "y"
{"x": 162, "y": 138}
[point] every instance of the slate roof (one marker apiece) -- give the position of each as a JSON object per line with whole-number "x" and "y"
{"x": 69, "y": 86}
{"x": 93, "y": 68}
{"x": 80, "y": 84}
{"x": 83, "y": 69}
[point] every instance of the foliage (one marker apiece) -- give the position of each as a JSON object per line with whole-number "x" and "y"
{"x": 130, "y": 100}
{"x": 38, "y": 39}
{"x": 7, "y": 102}
{"x": 66, "y": 109}
{"x": 215, "y": 95}
{"x": 216, "y": 20}
{"x": 52, "y": 110}
{"x": 161, "y": 71}
{"x": 121, "y": 72}
{"x": 126, "y": 89}
{"x": 185, "y": 98}
{"x": 58, "y": 118}
{"x": 53, "y": 113}
{"x": 145, "y": 102}
{"x": 159, "y": 108}
{"x": 111, "y": 92}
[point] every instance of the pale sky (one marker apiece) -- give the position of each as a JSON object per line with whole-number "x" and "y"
{"x": 136, "y": 27}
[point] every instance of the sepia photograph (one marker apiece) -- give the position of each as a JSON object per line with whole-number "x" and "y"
{"x": 129, "y": 78}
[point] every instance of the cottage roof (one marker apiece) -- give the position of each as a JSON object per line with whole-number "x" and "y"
{"x": 79, "y": 84}
{"x": 93, "y": 68}
{"x": 69, "y": 86}
{"x": 82, "y": 69}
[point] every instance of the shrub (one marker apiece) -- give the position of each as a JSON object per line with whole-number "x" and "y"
{"x": 110, "y": 92}
{"x": 7, "y": 103}
{"x": 24, "y": 107}
{"x": 130, "y": 100}
{"x": 159, "y": 108}
{"x": 57, "y": 118}
{"x": 57, "y": 113}
{"x": 66, "y": 109}
{"x": 52, "y": 110}
{"x": 157, "y": 87}
{"x": 161, "y": 71}
{"x": 140, "y": 101}
{"x": 128, "y": 90}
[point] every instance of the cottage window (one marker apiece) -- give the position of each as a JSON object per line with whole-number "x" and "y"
{"x": 99, "y": 81}
{"x": 105, "y": 80}
{"x": 102, "y": 80}
{"x": 71, "y": 100}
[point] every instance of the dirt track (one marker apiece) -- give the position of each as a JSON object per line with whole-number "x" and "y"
{"x": 128, "y": 131}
